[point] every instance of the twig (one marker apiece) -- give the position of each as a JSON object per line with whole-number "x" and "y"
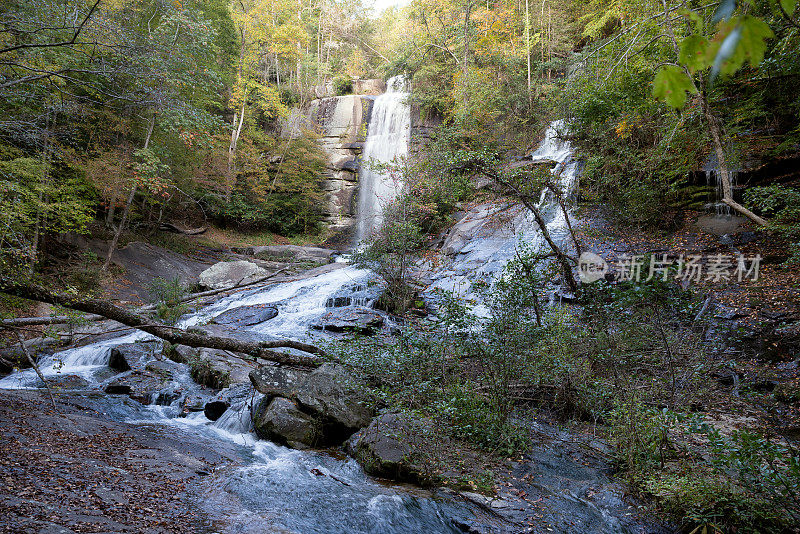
{"x": 36, "y": 368}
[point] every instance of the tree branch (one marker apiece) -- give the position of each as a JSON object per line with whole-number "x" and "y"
{"x": 192, "y": 338}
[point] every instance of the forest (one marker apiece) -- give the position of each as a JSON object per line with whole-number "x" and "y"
{"x": 413, "y": 266}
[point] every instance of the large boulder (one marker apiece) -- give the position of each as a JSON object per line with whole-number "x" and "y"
{"x": 329, "y": 394}
{"x": 354, "y": 319}
{"x": 219, "y": 368}
{"x": 226, "y": 274}
{"x": 280, "y": 420}
{"x": 386, "y": 449}
{"x": 246, "y": 315}
{"x": 129, "y": 356}
{"x": 338, "y": 398}
{"x": 277, "y": 381}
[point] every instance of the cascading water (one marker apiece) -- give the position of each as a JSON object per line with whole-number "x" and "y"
{"x": 388, "y": 135}
{"x": 482, "y": 255}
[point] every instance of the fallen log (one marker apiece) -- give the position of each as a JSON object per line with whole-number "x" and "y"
{"x": 193, "y": 338}
{"x": 65, "y": 319}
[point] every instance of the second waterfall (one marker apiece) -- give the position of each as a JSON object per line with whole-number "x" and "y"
{"x": 387, "y": 140}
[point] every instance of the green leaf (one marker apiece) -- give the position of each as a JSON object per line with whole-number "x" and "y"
{"x": 693, "y": 53}
{"x": 671, "y": 84}
{"x": 789, "y": 6}
{"x": 755, "y": 33}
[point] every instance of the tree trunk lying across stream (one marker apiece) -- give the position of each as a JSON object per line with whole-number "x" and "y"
{"x": 192, "y": 338}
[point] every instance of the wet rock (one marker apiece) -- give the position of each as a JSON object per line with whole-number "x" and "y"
{"x": 336, "y": 396}
{"x": 143, "y": 263}
{"x": 384, "y": 449}
{"x": 227, "y": 274}
{"x": 277, "y": 381}
{"x": 131, "y": 355}
{"x": 194, "y": 403}
{"x": 281, "y": 421}
{"x": 141, "y": 386}
{"x": 214, "y": 409}
{"x": 67, "y": 382}
{"x": 15, "y": 355}
{"x": 356, "y": 319}
{"x": 181, "y": 353}
{"x": 246, "y": 315}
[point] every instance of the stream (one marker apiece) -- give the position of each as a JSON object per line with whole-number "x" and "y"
{"x": 277, "y": 489}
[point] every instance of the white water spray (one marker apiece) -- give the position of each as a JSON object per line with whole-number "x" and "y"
{"x": 387, "y": 141}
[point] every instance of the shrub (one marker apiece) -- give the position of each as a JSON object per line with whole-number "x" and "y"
{"x": 342, "y": 85}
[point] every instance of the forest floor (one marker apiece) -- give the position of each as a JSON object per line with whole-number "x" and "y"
{"x": 753, "y": 328}
{"x": 79, "y": 471}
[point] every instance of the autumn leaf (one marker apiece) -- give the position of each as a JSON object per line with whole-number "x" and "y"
{"x": 671, "y": 84}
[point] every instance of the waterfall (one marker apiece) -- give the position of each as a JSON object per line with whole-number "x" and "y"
{"x": 387, "y": 140}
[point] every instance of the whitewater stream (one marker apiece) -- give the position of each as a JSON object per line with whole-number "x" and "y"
{"x": 277, "y": 489}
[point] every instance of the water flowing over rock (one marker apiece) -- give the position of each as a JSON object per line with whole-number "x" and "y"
{"x": 350, "y": 319}
{"x": 387, "y": 140}
{"x": 227, "y": 274}
{"x": 246, "y": 315}
{"x": 488, "y": 235}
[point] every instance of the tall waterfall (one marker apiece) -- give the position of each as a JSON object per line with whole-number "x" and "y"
{"x": 387, "y": 139}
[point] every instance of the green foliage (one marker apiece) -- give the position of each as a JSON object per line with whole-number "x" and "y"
{"x": 342, "y": 85}
{"x": 671, "y": 85}
{"x": 781, "y": 205}
{"x": 167, "y": 295}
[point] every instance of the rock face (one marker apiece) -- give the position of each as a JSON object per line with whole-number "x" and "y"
{"x": 384, "y": 449}
{"x": 341, "y": 122}
{"x": 142, "y": 386}
{"x": 280, "y": 420}
{"x": 144, "y": 262}
{"x": 329, "y": 397}
{"x": 227, "y": 274}
{"x": 226, "y": 364}
{"x": 277, "y": 381}
{"x": 355, "y": 319}
{"x": 333, "y": 394}
{"x": 246, "y": 315}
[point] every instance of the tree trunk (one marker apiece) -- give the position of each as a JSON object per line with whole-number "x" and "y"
{"x": 126, "y": 212}
{"x": 235, "y": 133}
{"x": 723, "y": 172}
{"x": 194, "y": 338}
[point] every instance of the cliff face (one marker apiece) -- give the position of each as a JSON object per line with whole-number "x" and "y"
{"x": 340, "y": 122}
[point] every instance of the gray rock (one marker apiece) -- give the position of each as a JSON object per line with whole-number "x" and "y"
{"x": 67, "y": 382}
{"x": 277, "y": 381}
{"x": 132, "y": 355}
{"x": 292, "y": 253}
{"x": 141, "y": 386}
{"x": 227, "y": 274}
{"x": 384, "y": 449}
{"x": 246, "y": 315}
{"x": 336, "y": 396}
{"x": 355, "y": 319}
{"x": 280, "y": 420}
{"x": 194, "y": 403}
{"x": 223, "y": 362}
{"x": 144, "y": 262}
